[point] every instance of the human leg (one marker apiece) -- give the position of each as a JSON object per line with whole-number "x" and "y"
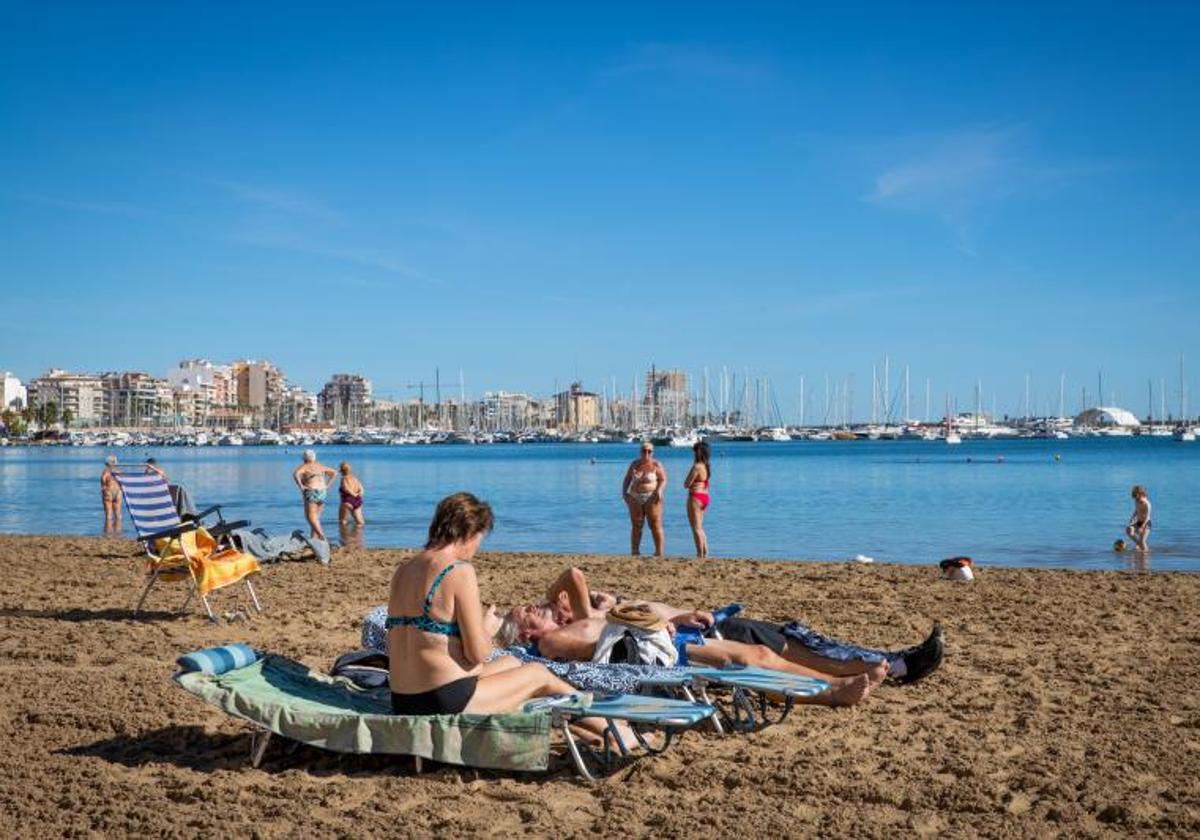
{"x": 654, "y": 513}
{"x": 637, "y": 518}
{"x": 312, "y": 512}
{"x": 343, "y": 513}
{"x": 505, "y": 690}
{"x": 693, "y": 514}
{"x": 843, "y": 691}
{"x": 358, "y": 516}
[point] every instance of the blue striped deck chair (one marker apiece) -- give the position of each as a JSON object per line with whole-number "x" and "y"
{"x": 169, "y": 542}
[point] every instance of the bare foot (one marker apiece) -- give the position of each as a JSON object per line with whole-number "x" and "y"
{"x": 846, "y": 691}
{"x": 877, "y": 672}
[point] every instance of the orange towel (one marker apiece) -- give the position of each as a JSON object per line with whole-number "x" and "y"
{"x": 194, "y": 553}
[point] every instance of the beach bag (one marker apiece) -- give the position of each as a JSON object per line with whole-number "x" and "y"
{"x": 365, "y": 668}
{"x": 635, "y": 646}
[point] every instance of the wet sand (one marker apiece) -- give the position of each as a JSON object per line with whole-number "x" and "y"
{"x": 1067, "y": 705}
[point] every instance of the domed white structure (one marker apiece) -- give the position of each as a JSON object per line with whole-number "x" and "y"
{"x": 1108, "y": 416}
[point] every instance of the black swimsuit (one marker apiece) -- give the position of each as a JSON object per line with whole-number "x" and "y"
{"x": 448, "y": 699}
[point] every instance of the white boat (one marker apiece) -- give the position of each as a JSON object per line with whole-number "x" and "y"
{"x": 953, "y": 438}
{"x": 774, "y": 434}
{"x": 686, "y": 440}
{"x": 1185, "y": 434}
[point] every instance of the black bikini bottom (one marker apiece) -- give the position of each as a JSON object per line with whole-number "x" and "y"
{"x": 449, "y": 699}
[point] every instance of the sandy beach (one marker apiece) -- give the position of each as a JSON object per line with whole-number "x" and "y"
{"x": 1067, "y": 705}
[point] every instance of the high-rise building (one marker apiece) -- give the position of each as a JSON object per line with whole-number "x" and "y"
{"x": 77, "y": 397}
{"x": 666, "y": 399}
{"x": 13, "y": 395}
{"x": 346, "y": 399}
{"x": 506, "y": 411}
{"x": 259, "y": 385}
{"x": 134, "y": 398}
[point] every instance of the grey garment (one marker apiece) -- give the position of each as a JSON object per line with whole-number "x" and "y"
{"x": 182, "y": 499}
{"x": 269, "y": 549}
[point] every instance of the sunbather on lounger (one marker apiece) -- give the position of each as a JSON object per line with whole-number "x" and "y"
{"x": 570, "y": 596}
{"x": 576, "y": 641}
{"x": 439, "y": 634}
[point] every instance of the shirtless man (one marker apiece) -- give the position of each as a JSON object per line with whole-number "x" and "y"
{"x": 570, "y": 596}
{"x": 110, "y": 495}
{"x": 313, "y": 479}
{"x": 1138, "y": 528}
{"x": 571, "y": 634}
{"x": 642, "y": 491}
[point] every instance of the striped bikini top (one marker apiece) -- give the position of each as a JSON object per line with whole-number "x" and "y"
{"x": 424, "y": 621}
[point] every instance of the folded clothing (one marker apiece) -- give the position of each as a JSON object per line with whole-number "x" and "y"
{"x": 217, "y": 660}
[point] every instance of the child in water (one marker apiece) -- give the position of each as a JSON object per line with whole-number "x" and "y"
{"x": 1138, "y": 528}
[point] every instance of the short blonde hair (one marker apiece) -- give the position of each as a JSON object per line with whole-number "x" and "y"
{"x": 344, "y": 468}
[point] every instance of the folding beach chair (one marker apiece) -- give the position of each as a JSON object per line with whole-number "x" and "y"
{"x": 178, "y": 550}
{"x": 743, "y": 697}
{"x": 279, "y": 696}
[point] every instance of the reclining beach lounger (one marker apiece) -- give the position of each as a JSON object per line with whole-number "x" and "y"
{"x": 282, "y": 697}
{"x": 751, "y": 692}
{"x": 177, "y": 550}
{"x": 742, "y": 696}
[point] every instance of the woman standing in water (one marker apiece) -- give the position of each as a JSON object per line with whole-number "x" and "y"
{"x": 351, "y": 493}
{"x": 696, "y": 484}
{"x": 110, "y": 495}
{"x": 642, "y": 490}
{"x": 313, "y": 478}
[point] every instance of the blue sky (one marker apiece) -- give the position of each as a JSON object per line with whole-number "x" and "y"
{"x": 534, "y": 193}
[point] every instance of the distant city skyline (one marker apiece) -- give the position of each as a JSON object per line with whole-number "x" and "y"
{"x": 890, "y": 393}
{"x": 544, "y": 194}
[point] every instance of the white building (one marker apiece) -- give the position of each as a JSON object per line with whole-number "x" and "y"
{"x": 77, "y": 395}
{"x": 1108, "y": 416}
{"x": 13, "y": 394}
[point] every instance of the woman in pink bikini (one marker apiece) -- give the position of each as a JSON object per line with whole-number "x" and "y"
{"x": 696, "y": 484}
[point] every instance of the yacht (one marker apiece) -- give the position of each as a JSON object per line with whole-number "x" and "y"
{"x": 1185, "y": 434}
{"x": 774, "y": 434}
{"x": 684, "y": 440}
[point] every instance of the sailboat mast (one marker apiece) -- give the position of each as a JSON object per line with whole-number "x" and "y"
{"x": 802, "y": 400}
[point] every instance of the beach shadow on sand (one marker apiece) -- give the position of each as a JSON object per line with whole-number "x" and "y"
{"x": 110, "y": 614}
{"x": 193, "y": 748}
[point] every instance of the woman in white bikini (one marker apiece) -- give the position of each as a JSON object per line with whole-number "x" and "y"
{"x": 642, "y": 491}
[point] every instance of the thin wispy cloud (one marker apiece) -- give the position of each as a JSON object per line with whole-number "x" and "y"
{"x": 685, "y": 61}
{"x": 103, "y": 208}
{"x": 956, "y": 175}
{"x": 377, "y": 259}
{"x": 285, "y": 201}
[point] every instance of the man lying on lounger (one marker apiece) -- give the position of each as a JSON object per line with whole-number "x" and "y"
{"x": 569, "y": 623}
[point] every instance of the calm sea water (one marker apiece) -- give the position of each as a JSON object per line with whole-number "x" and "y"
{"x": 1001, "y": 502}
